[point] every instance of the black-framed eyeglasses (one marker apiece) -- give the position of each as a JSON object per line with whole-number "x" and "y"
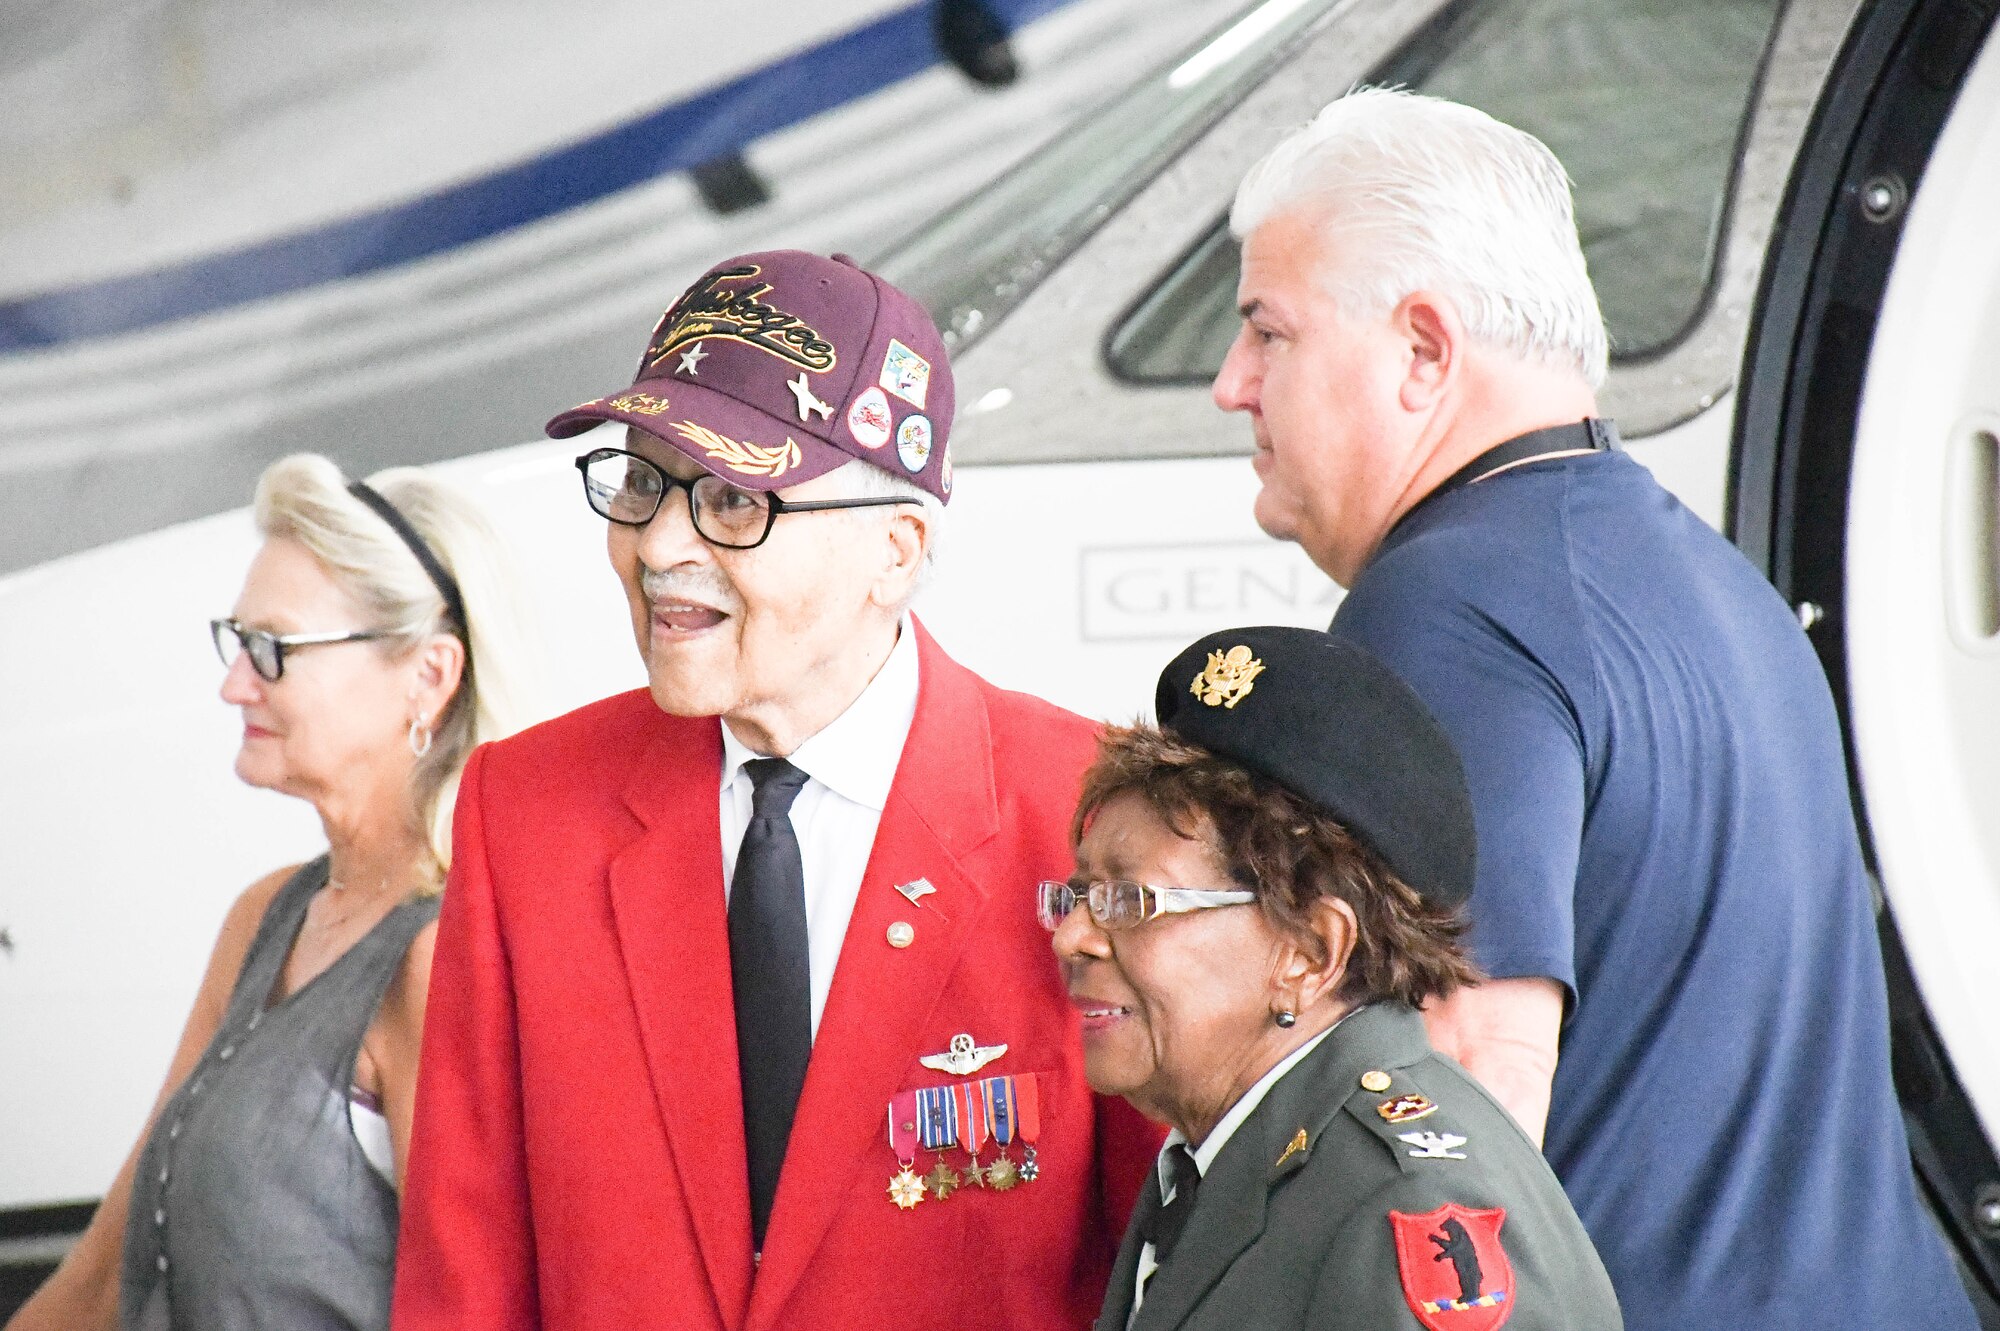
{"x": 1121, "y": 904}
{"x": 267, "y": 650}
{"x": 629, "y": 489}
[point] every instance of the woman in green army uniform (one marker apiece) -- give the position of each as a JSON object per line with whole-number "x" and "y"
{"x": 1267, "y": 890}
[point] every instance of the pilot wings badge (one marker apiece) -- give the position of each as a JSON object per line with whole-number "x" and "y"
{"x": 964, "y": 1058}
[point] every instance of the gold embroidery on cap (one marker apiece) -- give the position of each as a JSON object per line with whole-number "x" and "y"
{"x": 713, "y": 308}
{"x": 639, "y": 404}
{"x": 749, "y": 459}
{"x": 1227, "y": 680}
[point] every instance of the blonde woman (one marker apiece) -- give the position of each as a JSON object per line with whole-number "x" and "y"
{"x": 371, "y": 648}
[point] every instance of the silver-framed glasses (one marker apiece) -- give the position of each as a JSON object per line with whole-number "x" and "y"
{"x": 1119, "y": 903}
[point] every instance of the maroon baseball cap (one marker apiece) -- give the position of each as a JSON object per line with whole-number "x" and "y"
{"x": 777, "y": 367}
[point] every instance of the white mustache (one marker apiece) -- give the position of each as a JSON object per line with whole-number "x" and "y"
{"x": 682, "y": 585}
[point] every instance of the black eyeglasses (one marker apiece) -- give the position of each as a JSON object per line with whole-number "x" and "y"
{"x": 629, "y": 490}
{"x": 267, "y": 650}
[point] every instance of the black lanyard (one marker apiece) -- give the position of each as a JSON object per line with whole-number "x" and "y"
{"x": 1588, "y": 435}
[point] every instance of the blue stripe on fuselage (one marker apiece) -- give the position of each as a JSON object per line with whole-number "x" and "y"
{"x": 675, "y": 137}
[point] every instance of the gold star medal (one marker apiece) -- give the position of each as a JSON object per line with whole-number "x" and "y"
{"x": 973, "y": 1126}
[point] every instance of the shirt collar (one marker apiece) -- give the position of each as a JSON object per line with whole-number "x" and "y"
{"x": 855, "y": 754}
{"x": 1225, "y": 1128}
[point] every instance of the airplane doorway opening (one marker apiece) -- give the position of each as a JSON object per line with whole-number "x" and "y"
{"x": 1866, "y": 467}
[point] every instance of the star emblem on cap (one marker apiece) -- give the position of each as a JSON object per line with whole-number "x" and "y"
{"x": 808, "y": 403}
{"x": 691, "y": 358}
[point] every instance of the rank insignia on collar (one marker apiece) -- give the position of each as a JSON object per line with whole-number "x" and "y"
{"x": 1298, "y": 1143}
{"x": 1406, "y": 1108}
{"x": 1228, "y": 677}
{"x": 1434, "y": 1145}
{"x": 964, "y": 1057}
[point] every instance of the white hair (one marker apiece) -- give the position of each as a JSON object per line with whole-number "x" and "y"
{"x": 865, "y": 480}
{"x": 1417, "y": 193}
{"x": 304, "y": 498}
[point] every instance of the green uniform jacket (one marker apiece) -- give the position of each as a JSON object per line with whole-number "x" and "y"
{"x": 1295, "y": 1223}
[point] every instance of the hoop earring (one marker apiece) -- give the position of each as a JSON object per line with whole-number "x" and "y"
{"x": 420, "y": 736}
{"x": 1287, "y": 1019}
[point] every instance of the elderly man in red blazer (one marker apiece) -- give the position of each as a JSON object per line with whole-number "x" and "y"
{"x": 740, "y": 1016}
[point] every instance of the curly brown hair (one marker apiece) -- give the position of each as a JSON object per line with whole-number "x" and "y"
{"x": 1292, "y": 854}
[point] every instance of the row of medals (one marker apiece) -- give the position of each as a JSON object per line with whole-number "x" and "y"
{"x": 908, "y": 1187}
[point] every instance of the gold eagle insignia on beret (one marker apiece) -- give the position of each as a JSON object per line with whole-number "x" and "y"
{"x": 1228, "y": 677}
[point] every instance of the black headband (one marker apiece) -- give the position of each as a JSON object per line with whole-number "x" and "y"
{"x": 447, "y": 585}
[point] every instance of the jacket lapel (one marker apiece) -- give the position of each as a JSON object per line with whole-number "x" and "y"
{"x": 1267, "y": 1149}
{"x": 1118, "y": 1291}
{"x": 1228, "y": 1218}
{"x": 940, "y": 809}
{"x": 673, "y": 933}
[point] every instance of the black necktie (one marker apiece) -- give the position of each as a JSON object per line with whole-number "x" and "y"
{"x": 770, "y": 968}
{"x": 1165, "y": 1228}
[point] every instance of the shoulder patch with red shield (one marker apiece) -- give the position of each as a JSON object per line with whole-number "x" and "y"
{"x": 1456, "y": 1276}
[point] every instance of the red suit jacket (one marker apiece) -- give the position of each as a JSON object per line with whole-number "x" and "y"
{"x": 578, "y": 1156}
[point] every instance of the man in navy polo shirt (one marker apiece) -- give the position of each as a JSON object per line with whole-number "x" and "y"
{"x": 1687, "y": 1002}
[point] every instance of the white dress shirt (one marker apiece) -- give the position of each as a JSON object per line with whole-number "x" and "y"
{"x": 1211, "y": 1146}
{"x": 851, "y": 764}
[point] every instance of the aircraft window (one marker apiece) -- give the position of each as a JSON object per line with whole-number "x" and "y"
{"x": 980, "y": 259}
{"x": 1644, "y": 103}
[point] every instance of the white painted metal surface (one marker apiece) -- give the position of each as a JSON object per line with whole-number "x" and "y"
{"x": 1923, "y": 586}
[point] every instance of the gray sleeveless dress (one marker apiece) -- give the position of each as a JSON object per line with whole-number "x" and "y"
{"x": 253, "y": 1205}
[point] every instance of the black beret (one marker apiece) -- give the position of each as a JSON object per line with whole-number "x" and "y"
{"x": 1329, "y": 722}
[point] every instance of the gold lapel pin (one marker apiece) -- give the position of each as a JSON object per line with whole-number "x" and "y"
{"x": 1292, "y": 1148}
